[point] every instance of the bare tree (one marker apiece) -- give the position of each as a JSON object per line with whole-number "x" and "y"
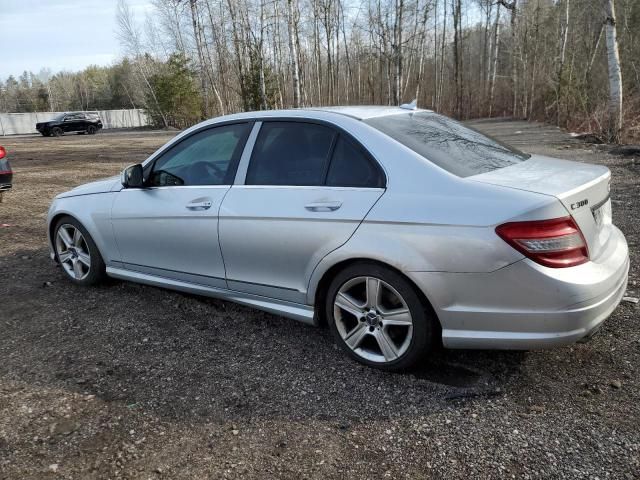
{"x": 615, "y": 73}
{"x": 494, "y": 61}
{"x": 130, "y": 39}
{"x": 293, "y": 51}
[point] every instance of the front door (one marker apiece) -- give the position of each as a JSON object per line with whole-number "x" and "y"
{"x": 71, "y": 122}
{"x": 307, "y": 189}
{"x": 170, "y": 228}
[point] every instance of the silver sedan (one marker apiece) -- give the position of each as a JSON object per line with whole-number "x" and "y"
{"x": 397, "y": 227}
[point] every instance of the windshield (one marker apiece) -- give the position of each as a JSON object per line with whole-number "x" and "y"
{"x": 460, "y": 150}
{"x": 59, "y": 117}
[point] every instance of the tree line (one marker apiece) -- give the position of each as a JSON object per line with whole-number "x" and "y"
{"x": 569, "y": 62}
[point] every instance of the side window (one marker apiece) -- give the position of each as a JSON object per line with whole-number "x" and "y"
{"x": 350, "y": 167}
{"x": 290, "y": 153}
{"x": 205, "y": 158}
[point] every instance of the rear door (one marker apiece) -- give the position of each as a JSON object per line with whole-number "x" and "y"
{"x": 307, "y": 188}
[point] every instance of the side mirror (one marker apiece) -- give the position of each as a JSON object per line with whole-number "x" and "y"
{"x": 132, "y": 176}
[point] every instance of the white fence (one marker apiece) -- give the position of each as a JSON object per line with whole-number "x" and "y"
{"x": 17, "y": 123}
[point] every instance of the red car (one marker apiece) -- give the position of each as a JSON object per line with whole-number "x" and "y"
{"x": 6, "y": 174}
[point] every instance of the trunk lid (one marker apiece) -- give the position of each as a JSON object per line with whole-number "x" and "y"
{"x": 582, "y": 188}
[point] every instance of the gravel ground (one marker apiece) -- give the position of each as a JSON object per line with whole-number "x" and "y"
{"x": 129, "y": 381}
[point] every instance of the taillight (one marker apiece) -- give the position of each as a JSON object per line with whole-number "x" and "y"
{"x": 553, "y": 243}
{"x": 3, "y": 153}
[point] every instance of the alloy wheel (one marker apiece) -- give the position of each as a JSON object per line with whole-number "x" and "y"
{"x": 373, "y": 319}
{"x": 73, "y": 251}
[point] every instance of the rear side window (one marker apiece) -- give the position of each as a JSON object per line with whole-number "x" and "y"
{"x": 309, "y": 154}
{"x": 290, "y": 153}
{"x": 460, "y": 150}
{"x": 351, "y": 167}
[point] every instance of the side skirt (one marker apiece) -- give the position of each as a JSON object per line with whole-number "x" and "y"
{"x": 295, "y": 311}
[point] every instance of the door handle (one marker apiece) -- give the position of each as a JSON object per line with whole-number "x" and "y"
{"x": 199, "y": 205}
{"x": 323, "y": 206}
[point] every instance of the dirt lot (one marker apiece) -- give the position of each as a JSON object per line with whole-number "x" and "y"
{"x": 128, "y": 381}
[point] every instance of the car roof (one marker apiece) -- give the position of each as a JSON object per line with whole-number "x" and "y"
{"x": 360, "y": 112}
{"x": 363, "y": 112}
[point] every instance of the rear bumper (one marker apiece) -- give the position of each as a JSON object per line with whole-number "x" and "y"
{"x": 525, "y": 305}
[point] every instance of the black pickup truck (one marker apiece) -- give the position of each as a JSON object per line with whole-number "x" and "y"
{"x": 80, "y": 122}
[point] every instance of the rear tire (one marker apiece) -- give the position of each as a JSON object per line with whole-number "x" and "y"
{"x": 378, "y": 317}
{"x": 77, "y": 253}
{"x": 56, "y": 132}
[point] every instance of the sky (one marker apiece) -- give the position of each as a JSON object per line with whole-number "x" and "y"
{"x": 60, "y": 34}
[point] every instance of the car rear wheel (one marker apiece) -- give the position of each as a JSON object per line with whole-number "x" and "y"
{"x": 91, "y": 129}
{"x": 77, "y": 253}
{"x": 56, "y": 131}
{"x": 378, "y": 318}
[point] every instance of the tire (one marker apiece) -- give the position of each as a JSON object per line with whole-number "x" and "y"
{"x": 367, "y": 327}
{"x": 71, "y": 253}
{"x": 57, "y": 132}
{"x": 91, "y": 130}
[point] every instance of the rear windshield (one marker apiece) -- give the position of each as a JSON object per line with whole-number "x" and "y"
{"x": 460, "y": 150}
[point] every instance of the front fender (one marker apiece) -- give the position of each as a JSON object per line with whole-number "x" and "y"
{"x": 94, "y": 213}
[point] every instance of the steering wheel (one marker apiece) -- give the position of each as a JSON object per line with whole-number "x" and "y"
{"x": 200, "y": 173}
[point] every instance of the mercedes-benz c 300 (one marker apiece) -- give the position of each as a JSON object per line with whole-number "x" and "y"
{"x": 398, "y": 228}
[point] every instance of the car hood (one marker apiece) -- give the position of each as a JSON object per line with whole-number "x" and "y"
{"x": 99, "y": 186}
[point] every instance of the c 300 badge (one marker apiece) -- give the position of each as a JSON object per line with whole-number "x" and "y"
{"x": 579, "y": 204}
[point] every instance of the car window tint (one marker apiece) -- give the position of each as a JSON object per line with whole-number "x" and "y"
{"x": 290, "y": 153}
{"x": 452, "y": 146}
{"x": 350, "y": 167}
{"x": 205, "y": 158}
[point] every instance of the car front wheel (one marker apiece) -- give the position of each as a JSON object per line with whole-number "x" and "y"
{"x": 56, "y": 131}
{"x": 91, "y": 129}
{"x": 77, "y": 253}
{"x": 378, "y": 318}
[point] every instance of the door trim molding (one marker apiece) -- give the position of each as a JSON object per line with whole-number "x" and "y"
{"x": 243, "y": 164}
{"x": 296, "y": 311}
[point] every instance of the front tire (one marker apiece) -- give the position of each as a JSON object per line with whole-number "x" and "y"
{"x": 77, "y": 253}
{"x": 91, "y": 130}
{"x": 56, "y": 132}
{"x": 378, "y": 317}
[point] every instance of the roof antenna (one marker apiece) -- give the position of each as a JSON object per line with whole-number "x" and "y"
{"x": 410, "y": 106}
